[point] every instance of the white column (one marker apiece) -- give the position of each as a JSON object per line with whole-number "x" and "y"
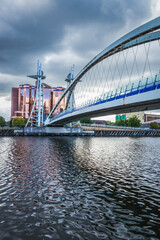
{"x": 39, "y": 95}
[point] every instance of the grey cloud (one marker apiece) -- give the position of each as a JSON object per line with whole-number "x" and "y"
{"x": 8, "y": 98}
{"x": 5, "y": 88}
{"x": 35, "y": 29}
{"x": 9, "y": 81}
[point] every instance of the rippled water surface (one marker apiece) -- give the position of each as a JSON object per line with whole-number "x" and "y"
{"x": 79, "y": 188}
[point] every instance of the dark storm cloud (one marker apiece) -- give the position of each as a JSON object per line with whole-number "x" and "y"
{"x": 7, "y": 82}
{"x": 4, "y": 86}
{"x": 32, "y": 29}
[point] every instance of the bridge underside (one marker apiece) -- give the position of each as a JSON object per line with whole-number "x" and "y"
{"x": 144, "y": 106}
{"x": 149, "y": 101}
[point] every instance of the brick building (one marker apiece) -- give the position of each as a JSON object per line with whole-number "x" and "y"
{"x": 23, "y": 99}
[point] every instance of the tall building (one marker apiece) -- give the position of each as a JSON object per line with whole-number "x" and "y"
{"x": 23, "y": 99}
{"x": 14, "y": 102}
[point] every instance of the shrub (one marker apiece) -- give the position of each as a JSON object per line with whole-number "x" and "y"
{"x": 154, "y": 125}
{"x": 121, "y": 123}
{"x": 19, "y": 122}
{"x": 89, "y": 121}
{"x": 134, "y": 121}
{"x": 2, "y": 121}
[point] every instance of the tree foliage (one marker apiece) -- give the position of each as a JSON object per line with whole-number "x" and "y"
{"x": 121, "y": 122}
{"x": 87, "y": 120}
{"x": 134, "y": 121}
{"x": 19, "y": 122}
{"x": 2, "y": 121}
{"x": 131, "y": 122}
{"x": 110, "y": 123}
{"x": 154, "y": 125}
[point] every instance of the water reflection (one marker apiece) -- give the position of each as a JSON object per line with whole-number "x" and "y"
{"x": 79, "y": 188}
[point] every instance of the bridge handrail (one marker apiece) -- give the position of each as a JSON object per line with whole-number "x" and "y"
{"x": 155, "y": 83}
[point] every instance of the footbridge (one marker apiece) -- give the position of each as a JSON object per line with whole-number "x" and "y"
{"x": 123, "y": 78}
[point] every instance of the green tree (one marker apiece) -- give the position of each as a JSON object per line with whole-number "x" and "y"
{"x": 19, "y": 122}
{"x": 108, "y": 122}
{"x": 2, "y": 121}
{"x": 154, "y": 125}
{"x": 8, "y": 123}
{"x": 134, "y": 121}
{"x": 25, "y": 121}
{"x": 88, "y": 120}
{"x": 121, "y": 122}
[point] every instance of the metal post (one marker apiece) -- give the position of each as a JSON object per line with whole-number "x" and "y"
{"x": 36, "y": 116}
{"x": 42, "y": 102}
{"x": 73, "y": 96}
{"x": 39, "y": 95}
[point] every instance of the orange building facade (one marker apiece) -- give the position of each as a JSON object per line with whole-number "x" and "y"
{"x": 23, "y": 99}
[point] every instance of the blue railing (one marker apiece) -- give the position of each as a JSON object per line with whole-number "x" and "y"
{"x": 144, "y": 85}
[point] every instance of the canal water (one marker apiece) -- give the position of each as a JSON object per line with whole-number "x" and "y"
{"x": 79, "y": 188}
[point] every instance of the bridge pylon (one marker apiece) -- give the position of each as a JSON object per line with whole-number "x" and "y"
{"x": 36, "y": 116}
{"x": 70, "y": 98}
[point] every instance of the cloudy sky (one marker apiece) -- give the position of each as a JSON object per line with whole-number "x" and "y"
{"x": 60, "y": 33}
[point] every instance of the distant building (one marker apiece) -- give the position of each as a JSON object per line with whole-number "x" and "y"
{"x": 14, "y": 101}
{"x": 151, "y": 117}
{"x": 23, "y": 99}
{"x": 140, "y": 115}
{"x": 121, "y": 117}
{"x": 126, "y": 116}
{"x": 143, "y": 117}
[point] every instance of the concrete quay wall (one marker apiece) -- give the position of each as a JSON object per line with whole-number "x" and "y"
{"x": 56, "y": 131}
{"x": 77, "y": 131}
{"x": 61, "y": 131}
{"x": 126, "y": 133}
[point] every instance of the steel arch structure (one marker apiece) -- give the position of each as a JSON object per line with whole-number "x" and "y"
{"x": 147, "y": 32}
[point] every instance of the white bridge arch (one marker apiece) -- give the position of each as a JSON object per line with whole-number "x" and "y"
{"x": 137, "y": 98}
